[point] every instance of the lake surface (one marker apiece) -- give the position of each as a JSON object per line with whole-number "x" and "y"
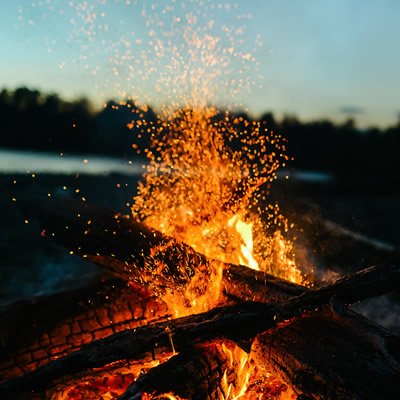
{"x": 17, "y": 162}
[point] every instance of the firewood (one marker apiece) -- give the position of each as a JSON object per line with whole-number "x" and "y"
{"x": 132, "y": 251}
{"x": 339, "y": 248}
{"x": 126, "y": 247}
{"x": 338, "y": 358}
{"x": 239, "y": 323}
{"x": 37, "y": 330}
{"x": 195, "y": 374}
{"x": 237, "y": 281}
{"x": 127, "y": 371}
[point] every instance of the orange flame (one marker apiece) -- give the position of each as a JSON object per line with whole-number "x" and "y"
{"x": 239, "y": 363}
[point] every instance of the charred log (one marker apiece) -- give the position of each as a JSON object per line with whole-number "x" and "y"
{"x": 195, "y": 374}
{"x": 237, "y": 288}
{"x": 239, "y": 323}
{"x": 93, "y": 382}
{"x": 337, "y": 358}
{"x": 339, "y": 248}
{"x": 129, "y": 249}
{"x": 37, "y": 330}
{"x": 133, "y": 252}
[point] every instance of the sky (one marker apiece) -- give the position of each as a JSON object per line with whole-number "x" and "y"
{"x": 311, "y": 58}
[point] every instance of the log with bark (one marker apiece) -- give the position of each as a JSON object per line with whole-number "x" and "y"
{"x": 133, "y": 247}
{"x": 196, "y": 374}
{"x": 336, "y": 247}
{"x": 37, "y": 330}
{"x": 134, "y": 252}
{"x": 131, "y": 250}
{"x": 241, "y": 323}
{"x": 337, "y": 358}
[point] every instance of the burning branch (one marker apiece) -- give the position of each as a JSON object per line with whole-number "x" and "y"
{"x": 239, "y": 323}
{"x": 131, "y": 250}
{"x": 62, "y": 323}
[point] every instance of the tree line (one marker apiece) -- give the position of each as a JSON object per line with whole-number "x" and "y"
{"x": 45, "y": 122}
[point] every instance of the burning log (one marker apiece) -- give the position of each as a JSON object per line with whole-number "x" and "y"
{"x": 239, "y": 323}
{"x": 58, "y": 324}
{"x": 131, "y": 251}
{"x": 338, "y": 247}
{"x": 128, "y": 249}
{"x": 239, "y": 282}
{"x": 125, "y": 247}
{"x": 196, "y": 374}
{"x": 337, "y": 358}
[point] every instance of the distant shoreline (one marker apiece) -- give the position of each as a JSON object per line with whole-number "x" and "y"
{"x": 24, "y": 161}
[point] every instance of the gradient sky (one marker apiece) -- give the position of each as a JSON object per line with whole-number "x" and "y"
{"x": 319, "y": 58}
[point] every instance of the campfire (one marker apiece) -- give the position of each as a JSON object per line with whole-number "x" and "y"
{"x": 204, "y": 297}
{"x": 209, "y": 302}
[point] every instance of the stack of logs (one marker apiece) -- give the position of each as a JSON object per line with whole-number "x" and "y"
{"x": 120, "y": 329}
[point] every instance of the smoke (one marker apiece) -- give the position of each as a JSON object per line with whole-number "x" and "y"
{"x": 382, "y": 310}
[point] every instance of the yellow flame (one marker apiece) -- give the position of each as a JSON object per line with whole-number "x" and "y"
{"x": 279, "y": 260}
{"x": 245, "y": 231}
{"x": 169, "y": 396}
{"x": 199, "y": 191}
{"x": 239, "y": 366}
{"x": 200, "y": 295}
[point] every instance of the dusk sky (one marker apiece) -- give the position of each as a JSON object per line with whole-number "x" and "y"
{"x": 313, "y": 58}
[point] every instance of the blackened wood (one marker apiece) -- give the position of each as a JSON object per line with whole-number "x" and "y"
{"x": 338, "y": 248}
{"x": 245, "y": 284}
{"x": 37, "y": 330}
{"x": 88, "y": 381}
{"x": 195, "y": 374}
{"x": 132, "y": 251}
{"x": 239, "y": 323}
{"x": 128, "y": 248}
{"x": 324, "y": 357}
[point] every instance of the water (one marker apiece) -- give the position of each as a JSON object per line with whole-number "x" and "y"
{"x": 30, "y": 264}
{"x": 17, "y": 162}
{"x": 307, "y": 176}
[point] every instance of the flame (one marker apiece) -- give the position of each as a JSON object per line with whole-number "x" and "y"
{"x": 279, "y": 260}
{"x": 209, "y": 172}
{"x": 245, "y": 231}
{"x": 240, "y": 364}
{"x": 200, "y": 295}
{"x": 200, "y": 191}
{"x": 169, "y": 396}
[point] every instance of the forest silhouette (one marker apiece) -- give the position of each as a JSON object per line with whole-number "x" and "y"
{"x": 45, "y": 122}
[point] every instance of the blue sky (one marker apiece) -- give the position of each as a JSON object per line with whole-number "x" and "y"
{"x": 318, "y": 58}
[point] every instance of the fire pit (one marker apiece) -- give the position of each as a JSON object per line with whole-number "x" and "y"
{"x": 213, "y": 306}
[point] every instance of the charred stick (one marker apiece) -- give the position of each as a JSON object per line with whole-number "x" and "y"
{"x": 239, "y": 323}
{"x": 92, "y": 381}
